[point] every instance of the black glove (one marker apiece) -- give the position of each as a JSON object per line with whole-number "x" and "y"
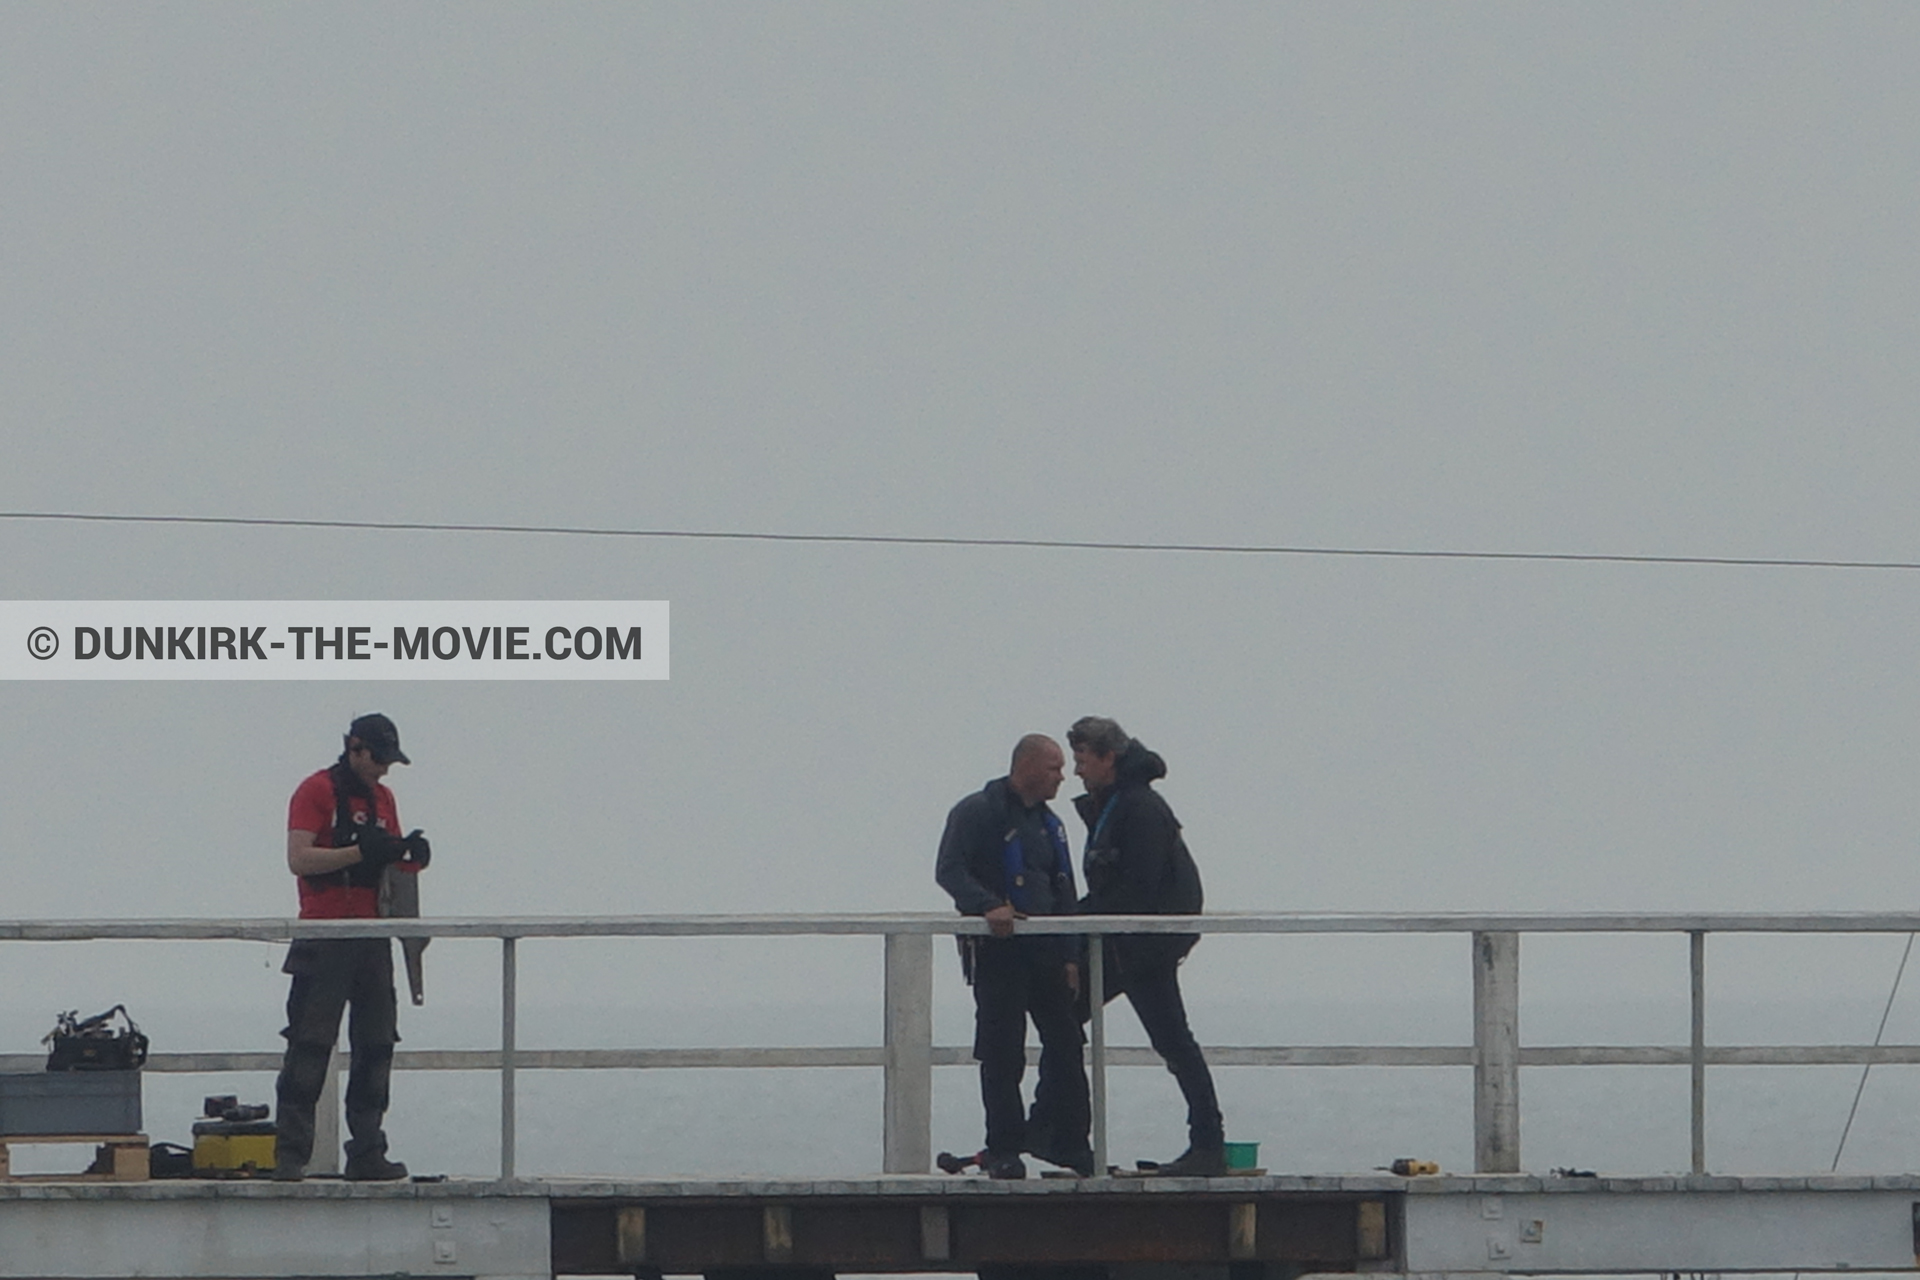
{"x": 415, "y": 850}
{"x": 377, "y": 848}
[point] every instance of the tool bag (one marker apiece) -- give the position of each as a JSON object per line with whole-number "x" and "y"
{"x": 94, "y": 1044}
{"x": 169, "y": 1160}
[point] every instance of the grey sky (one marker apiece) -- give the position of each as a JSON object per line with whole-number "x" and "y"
{"x": 1624, "y": 277}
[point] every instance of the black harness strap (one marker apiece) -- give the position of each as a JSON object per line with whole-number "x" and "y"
{"x": 346, "y": 784}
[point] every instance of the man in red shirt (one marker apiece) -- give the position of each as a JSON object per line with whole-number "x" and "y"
{"x": 343, "y": 837}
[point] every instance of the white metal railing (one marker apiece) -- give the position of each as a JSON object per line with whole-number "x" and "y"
{"x": 907, "y": 1055}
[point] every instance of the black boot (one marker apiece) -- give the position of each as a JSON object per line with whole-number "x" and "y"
{"x": 1079, "y": 1160}
{"x": 296, "y": 1096}
{"x": 1006, "y": 1166}
{"x": 1200, "y": 1160}
{"x": 367, "y": 1093}
{"x": 374, "y": 1168}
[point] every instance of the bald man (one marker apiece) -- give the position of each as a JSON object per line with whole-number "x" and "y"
{"x": 1004, "y": 856}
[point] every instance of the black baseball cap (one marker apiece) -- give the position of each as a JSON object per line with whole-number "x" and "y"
{"x": 381, "y": 738}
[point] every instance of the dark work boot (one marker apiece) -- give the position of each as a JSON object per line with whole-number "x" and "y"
{"x": 374, "y": 1168}
{"x": 367, "y": 1151}
{"x": 292, "y": 1144}
{"x": 1080, "y": 1161}
{"x": 297, "y": 1094}
{"x": 367, "y": 1091}
{"x": 1007, "y": 1166}
{"x": 1200, "y": 1160}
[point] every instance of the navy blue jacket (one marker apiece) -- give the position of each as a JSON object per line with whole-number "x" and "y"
{"x": 973, "y": 861}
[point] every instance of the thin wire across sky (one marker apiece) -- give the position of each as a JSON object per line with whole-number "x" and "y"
{"x": 906, "y": 540}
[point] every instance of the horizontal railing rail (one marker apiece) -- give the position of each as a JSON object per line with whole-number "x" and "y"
{"x": 908, "y": 1054}
{"x": 928, "y": 923}
{"x": 1218, "y": 1055}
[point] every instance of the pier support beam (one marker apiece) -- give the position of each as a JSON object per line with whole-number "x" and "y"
{"x": 232, "y": 1231}
{"x": 908, "y": 1137}
{"x": 1496, "y": 1052}
{"x": 1697, "y": 956}
{"x": 509, "y": 1016}
{"x": 1627, "y": 1232}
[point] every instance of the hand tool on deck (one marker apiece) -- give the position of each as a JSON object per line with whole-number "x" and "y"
{"x": 951, "y": 1163}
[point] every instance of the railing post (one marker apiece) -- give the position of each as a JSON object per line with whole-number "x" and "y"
{"x": 1697, "y": 958}
{"x": 326, "y": 1120}
{"x": 1097, "y": 1068}
{"x": 1496, "y": 1052}
{"x": 509, "y": 1000}
{"x": 908, "y": 1129}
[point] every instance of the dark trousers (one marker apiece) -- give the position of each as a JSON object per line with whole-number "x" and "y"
{"x": 329, "y": 975}
{"x": 1149, "y": 976}
{"x": 1014, "y": 979}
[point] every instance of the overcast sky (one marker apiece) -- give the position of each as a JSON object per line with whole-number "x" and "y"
{"x": 1631, "y": 278}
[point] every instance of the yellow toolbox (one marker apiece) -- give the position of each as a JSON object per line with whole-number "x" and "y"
{"x": 228, "y": 1147}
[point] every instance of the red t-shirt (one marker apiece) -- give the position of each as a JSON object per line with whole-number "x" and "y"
{"x": 311, "y": 809}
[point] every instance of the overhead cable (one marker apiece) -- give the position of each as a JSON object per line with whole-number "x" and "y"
{"x": 1878, "y": 1036}
{"x": 906, "y": 540}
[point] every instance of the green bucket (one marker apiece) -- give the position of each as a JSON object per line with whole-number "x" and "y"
{"x": 1243, "y": 1155}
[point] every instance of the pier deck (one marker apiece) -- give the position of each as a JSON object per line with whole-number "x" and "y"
{"x": 1260, "y": 1228}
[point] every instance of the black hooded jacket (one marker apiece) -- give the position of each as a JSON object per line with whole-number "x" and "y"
{"x": 1137, "y": 862}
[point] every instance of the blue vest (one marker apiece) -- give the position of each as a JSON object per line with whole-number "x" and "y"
{"x": 1014, "y": 860}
